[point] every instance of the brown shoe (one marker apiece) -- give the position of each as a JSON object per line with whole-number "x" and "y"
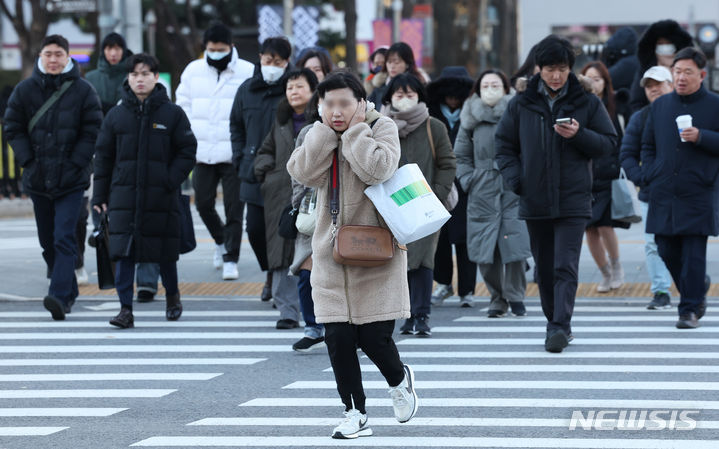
{"x": 124, "y": 319}
{"x": 173, "y": 307}
{"x": 688, "y": 321}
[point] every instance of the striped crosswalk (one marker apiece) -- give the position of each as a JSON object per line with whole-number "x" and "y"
{"x": 482, "y": 383}
{"x": 489, "y": 383}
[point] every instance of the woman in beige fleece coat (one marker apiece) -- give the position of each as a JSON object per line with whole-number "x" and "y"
{"x": 357, "y": 305}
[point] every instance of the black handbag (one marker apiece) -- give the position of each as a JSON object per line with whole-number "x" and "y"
{"x": 187, "y": 229}
{"x": 287, "y": 228}
{"x": 105, "y": 265}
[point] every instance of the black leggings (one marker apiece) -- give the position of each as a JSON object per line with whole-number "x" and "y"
{"x": 375, "y": 340}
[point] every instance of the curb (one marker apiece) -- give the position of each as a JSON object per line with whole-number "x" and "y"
{"x": 16, "y": 208}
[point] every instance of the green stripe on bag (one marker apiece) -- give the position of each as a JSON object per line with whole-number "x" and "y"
{"x": 410, "y": 192}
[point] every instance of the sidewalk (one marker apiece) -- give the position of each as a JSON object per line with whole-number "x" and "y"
{"x": 15, "y": 208}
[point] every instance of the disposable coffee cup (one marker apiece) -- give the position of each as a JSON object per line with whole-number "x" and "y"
{"x": 684, "y": 122}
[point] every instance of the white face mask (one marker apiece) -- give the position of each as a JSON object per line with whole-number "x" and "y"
{"x": 271, "y": 73}
{"x": 405, "y": 103}
{"x": 491, "y": 95}
{"x": 665, "y": 49}
{"x": 217, "y": 55}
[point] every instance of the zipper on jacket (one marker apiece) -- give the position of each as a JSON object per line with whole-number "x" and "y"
{"x": 342, "y": 212}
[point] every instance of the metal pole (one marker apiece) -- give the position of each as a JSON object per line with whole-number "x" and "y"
{"x": 396, "y": 20}
{"x": 482, "y": 35}
{"x": 106, "y": 21}
{"x": 287, "y": 18}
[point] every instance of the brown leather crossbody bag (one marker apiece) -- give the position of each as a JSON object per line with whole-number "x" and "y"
{"x": 356, "y": 245}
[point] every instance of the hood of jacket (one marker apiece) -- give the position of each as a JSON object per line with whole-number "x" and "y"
{"x": 157, "y": 97}
{"x": 54, "y": 82}
{"x": 622, "y": 44}
{"x": 452, "y": 82}
{"x": 476, "y": 111}
{"x": 668, "y": 29}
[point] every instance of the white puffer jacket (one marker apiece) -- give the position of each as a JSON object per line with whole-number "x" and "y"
{"x": 207, "y": 101}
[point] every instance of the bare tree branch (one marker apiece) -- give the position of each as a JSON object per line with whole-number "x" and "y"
{"x": 6, "y": 11}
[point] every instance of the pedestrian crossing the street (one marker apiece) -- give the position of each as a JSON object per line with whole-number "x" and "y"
{"x": 481, "y": 382}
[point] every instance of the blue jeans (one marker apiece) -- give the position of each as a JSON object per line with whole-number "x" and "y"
{"x": 56, "y": 220}
{"x": 658, "y": 273}
{"x": 125, "y": 278}
{"x": 147, "y": 275}
{"x": 307, "y": 306}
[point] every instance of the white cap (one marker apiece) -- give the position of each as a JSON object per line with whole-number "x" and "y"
{"x": 658, "y": 73}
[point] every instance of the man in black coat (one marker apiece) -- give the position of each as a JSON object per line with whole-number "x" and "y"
{"x": 54, "y": 145}
{"x": 620, "y": 57}
{"x": 252, "y": 116}
{"x": 682, "y": 170}
{"x": 145, "y": 150}
{"x": 550, "y": 166}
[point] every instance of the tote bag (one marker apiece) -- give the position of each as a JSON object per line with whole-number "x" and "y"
{"x": 625, "y": 201}
{"x": 408, "y": 205}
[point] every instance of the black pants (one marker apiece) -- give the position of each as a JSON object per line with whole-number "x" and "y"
{"x": 686, "y": 259}
{"x": 256, "y": 233}
{"x": 444, "y": 267}
{"x": 375, "y": 340}
{"x": 420, "y": 291}
{"x": 81, "y": 233}
{"x": 556, "y": 246}
{"x": 205, "y": 179}
{"x": 56, "y": 220}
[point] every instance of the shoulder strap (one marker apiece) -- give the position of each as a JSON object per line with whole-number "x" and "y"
{"x": 334, "y": 187}
{"x": 48, "y": 104}
{"x": 431, "y": 140}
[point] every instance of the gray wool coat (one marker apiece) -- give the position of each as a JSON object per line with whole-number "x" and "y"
{"x": 276, "y": 188}
{"x": 492, "y": 211}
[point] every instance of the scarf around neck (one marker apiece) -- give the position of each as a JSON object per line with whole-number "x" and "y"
{"x": 452, "y": 117}
{"x": 407, "y": 121}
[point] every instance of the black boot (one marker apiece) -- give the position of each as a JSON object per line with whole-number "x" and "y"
{"x": 173, "y": 308}
{"x": 267, "y": 289}
{"x": 124, "y": 319}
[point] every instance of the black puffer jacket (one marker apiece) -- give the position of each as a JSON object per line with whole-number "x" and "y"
{"x": 57, "y": 155}
{"x": 620, "y": 56}
{"x": 552, "y": 175}
{"x": 144, "y": 153}
{"x": 646, "y": 53}
{"x": 606, "y": 168}
{"x": 252, "y": 116}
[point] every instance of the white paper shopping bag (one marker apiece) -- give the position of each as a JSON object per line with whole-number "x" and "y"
{"x": 408, "y": 205}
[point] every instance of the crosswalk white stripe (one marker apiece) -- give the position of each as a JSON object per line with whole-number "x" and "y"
{"x": 129, "y": 362}
{"x": 591, "y": 403}
{"x": 628, "y": 308}
{"x": 29, "y": 431}
{"x": 565, "y": 355}
{"x": 576, "y": 330}
{"x": 649, "y": 316}
{"x": 155, "y": 314}
{"x": 80, "y": 377}
{"x": 138, "y": 324}
{"x": 85, "y": 393}
{"x": 554, "y": 369}
{"x": 622, "y": 341}
{"x": 416, "y": 421}
{"x": 520, "y": 385}
{"x": 125, "y": 335}
{"x": 57, "y": 412}
{"x": 142, "y": 348}
{"x": 260, "y": 441}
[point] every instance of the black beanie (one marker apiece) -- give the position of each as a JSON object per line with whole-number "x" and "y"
{"x": 113, "y": 39}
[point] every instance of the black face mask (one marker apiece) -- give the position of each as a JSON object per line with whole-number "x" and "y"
{"x": 220, "y": 64}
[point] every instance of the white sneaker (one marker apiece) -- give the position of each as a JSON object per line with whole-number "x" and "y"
{"x": 466, "y": 301}
{"x": 217, "y": 260}
{"x": 353, "y": 426}
{"x": 229, "y": 271}
{"x": 404, "y": 398}
{"x": 81, "y": 276}
{"x": 440, "y": 293}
